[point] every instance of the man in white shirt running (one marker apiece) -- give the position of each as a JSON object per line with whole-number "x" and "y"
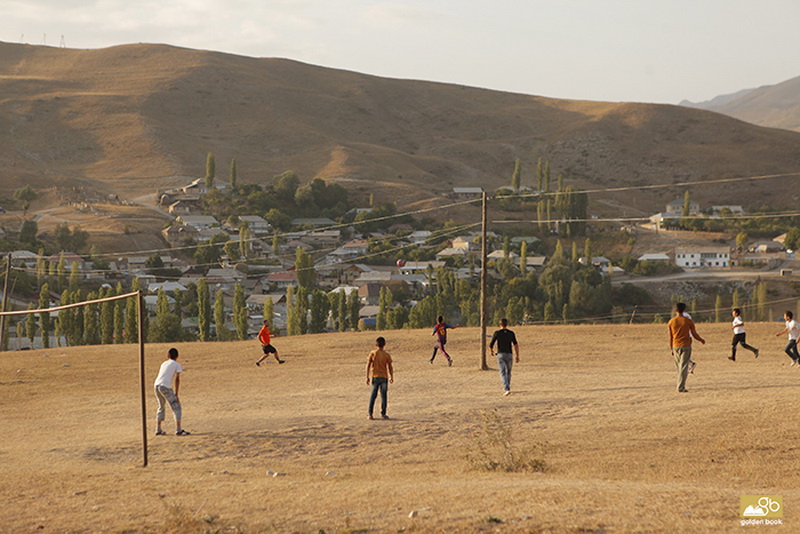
{"x": 794, "y": 332}
{"x": 165, "y": 393}
{"x": 739, "y": 335}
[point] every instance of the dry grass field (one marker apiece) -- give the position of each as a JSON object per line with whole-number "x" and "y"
{"x": 623, "y": 451}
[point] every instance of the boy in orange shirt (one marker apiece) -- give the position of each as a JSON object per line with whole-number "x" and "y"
{"x": 380, "y": 363}
{"x": 264, "y": 338}
{"x": 681, "y": 332}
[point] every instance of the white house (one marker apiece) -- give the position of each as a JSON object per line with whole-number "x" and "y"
{"x": 467, "y": 192}
{"x": 198, "y": 222}
{"x": 676, "y": 207}
{"x": 654, "y": 256}
{"x": 256, "y": 224}
{"x": 694, "y": 258}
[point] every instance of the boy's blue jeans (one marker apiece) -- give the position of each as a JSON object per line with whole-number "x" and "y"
{"x": 381, "y": 384}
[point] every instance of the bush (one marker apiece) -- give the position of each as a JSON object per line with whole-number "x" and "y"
{"x": 492, "y": 448}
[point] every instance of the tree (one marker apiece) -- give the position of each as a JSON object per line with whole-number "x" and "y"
{"x": 686, "y": 204}
{"x": 233, "y": 173}
{"x": 223, "y": 334}
{"x": 26, "y": 195}
{"x": 74, "y": 276}
{"x": 517, "y": 176}
{"x": 292, "y": 320}
{"x": 539, "y": 175}
{"x": 203, "y": 310}
{"x": 384, "y": 305}
{"x": 333, "y": 301}
{"x": 244, "y": 240}
{"x": 28, "y": 231}
{"x": 211, "y": 170}
{"x": 269, "y": 312}
{"x": 132, "y": 316}
{"x": 239, "y": 312}
{"x": 285, "y": 186}
{"x": 232, "y": 250}
{"x": 350, "y": 309}
{"x": 119, "y": 316}
{"x": 31, "y": 325}
{"x": 319, "y": 311}
{"x": 792, "y": 241}
{"x": 91, "y": 322}
{"x": 44, "y": 302}
{"x": 107, "y": 319}
{"x": 523, "y": 258}
{"x": 167, "y": 326}
{"x": 304, "y": 267}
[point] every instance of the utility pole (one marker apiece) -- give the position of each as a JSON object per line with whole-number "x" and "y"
{"x": 5, "y": 303}
{"x": 484, "y": 253}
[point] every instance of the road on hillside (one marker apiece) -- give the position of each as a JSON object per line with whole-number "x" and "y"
{"x": 710, "y": 275}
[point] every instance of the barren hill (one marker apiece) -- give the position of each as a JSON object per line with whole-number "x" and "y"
{"x": 774, "y": 106}
{"x": 132, "y": 118}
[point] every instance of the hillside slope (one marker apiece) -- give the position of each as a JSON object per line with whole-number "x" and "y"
{"x": 774, "y": 106}
{"x": 132, "y": 118}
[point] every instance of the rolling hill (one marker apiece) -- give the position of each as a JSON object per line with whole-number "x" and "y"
{"x": 130, "y": 119}
{"x": 773, "y": 106}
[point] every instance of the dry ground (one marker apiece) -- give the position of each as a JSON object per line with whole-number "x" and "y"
{"x": 624, "y": 451}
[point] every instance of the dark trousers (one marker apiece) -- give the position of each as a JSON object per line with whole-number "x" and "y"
{"x": 740, "y": 338}
{"x": 791, "y": 350}
{"x": 379, "y": 384}
{"x": 440, "y": 346}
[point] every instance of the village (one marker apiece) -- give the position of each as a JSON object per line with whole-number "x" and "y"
{"x": 254, "y": 256}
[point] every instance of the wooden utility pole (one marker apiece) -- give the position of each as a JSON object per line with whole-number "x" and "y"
{"x": 484, "y": 253}
{"x": 142, "y": 387}
{"x": 5, "y": 303}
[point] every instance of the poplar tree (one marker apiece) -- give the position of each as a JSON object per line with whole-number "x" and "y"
{"x": 223, "y": 334}
{"x": 539, "y": 175}
{"x": 203, "y": 310}
{"x": 211, "y": 170}
{"x": 132, "y": 315}
{"x": 44, "y": 302}
{"x": 119, "y": 316}
{"x": 107, "y": 319}
{"x": 74, "y": 276}
{"x": 353, "y": 308}
{"x": 523, "y": 257}
{"x": 333, "y": 301}
{"x": 31, "y": 325}
{"x": 269, "y": 311}
{"x": 380, "y": 321}
{"x": 91, "y": 322}
{"x": 233, "y": 173}
{"x": 304, "y": 267}
{"x": 517, "y": 176}
{"x": 319, "y": 311}
{"x": 239, "y": 312}
{"x": 292, "y": 321}
{"x": 244, "y": 240}
{"x": 686, "y": 204}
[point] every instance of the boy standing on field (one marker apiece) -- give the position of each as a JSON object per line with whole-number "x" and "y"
{"x": 380, "y": 364}
{"x": 264, "y": 337}
{"x": 681, "y": 332}
{"x": 738, "y": 335}
{"x": 165, "y": 393}
{"x": 794, "y": 333}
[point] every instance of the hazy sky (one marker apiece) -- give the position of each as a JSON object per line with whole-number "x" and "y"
{"x": 616, "y": 50}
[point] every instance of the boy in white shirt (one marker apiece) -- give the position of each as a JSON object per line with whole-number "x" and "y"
{"x": 169, "y": 370}
{"x": 738, "y": 335}
{"x": 794, "y": 332}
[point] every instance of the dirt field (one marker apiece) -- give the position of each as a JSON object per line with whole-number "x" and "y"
{"x": 624, "y": 452}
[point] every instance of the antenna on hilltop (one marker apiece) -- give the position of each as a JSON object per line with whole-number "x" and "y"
{"x": 62, "y": 44}
{"x": 44, "y": 39}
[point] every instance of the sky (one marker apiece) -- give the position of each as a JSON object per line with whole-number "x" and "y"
{"x": 661, "y": 51}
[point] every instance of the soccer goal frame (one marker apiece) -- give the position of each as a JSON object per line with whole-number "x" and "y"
{"x": 140, "y": 304}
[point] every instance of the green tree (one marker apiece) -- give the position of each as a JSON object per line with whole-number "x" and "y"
{"x": 132, "y": 316}
{"x": 792, "y": 241}
{"x": 304, "y": 267}
{"x": 244, "y": 240}
{"x": 292, "y": 320}
{"x": 239, "y": 312}
{"x": 686, "y": 204}
{"x": 203, "y": 310}
{"x": 351, "y": 309}
{"x": 232, "y": 250}
{"x": 233, "y": 173}
{"x": 74, "y": 276}
{"x": 301, "y": 308}
{"x": 44, "y": 303}
{"x": 269, "y": 310}
{"x": 223, "y": 334}
{"x": 523, "y": 258}
{"x": 28, "y": 232}
{"x": 26, "y": 196}
{"x": 211, "y": 170}
{"x": 107, "y": 319}
{"x": 119, "y": 315}
{"x": 31, "y": 325}
{"x": 319, "y": 311}
{"x": 741, "y": 240}
{"x": 516, "y": 177}
{"x": 384, "y": 305}
{"x": 91, "y": 322}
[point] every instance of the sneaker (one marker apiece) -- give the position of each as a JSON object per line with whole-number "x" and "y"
{"x": 757, "y": 351}
{"x": 370, "y": 417}
{"x": 450, "y": 362}
{"x": 794, "y": 362}
{"x": 384, "y": 417}
{"x": 182, "y": 433}
{"x": 732, "y": 358}
{"x": 430, "y": 361}
{"x": 506, "y": 393}
{"x": 258, "y": 364}
{"x": 692, "y": 365}
{"x": 160, "y": 432}
{"x": 683, "y": 391}
{"x": 281, "y": 361}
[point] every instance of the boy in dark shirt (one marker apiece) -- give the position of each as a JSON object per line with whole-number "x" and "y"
{"x": 505, "y": 338}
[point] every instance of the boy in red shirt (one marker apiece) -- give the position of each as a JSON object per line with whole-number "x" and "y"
{"x": 264, "y": 338}
{"x": 440, "y": 330}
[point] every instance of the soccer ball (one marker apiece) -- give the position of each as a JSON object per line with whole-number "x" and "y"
{"x": 401, "y": 263}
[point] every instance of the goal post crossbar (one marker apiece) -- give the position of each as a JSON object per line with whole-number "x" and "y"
{"x": 140, "y": 304}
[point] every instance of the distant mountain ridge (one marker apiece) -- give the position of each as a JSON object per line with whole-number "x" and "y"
{"x": 129, "y": 119}
{"x": 773, "y": 106}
